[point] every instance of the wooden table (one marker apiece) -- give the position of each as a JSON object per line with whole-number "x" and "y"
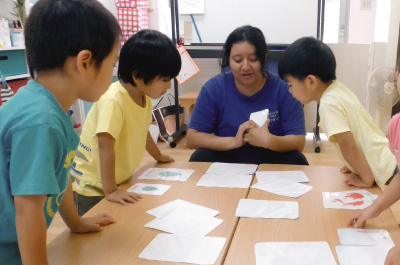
{"x": 315, "y": 222}
{"x": 188, "y": 99}
{"x": 122, "y": 242}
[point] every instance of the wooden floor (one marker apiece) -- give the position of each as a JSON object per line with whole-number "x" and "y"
{"x": 327, "y": 157}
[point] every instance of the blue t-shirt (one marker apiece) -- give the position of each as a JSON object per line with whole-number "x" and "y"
{"x": 220, "y": 108}
{"x": 38, "y": 145}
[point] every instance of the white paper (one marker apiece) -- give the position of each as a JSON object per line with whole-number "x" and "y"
{"x": 231, "y": 169}
{"x": 151, "y": 189}
{"x": 267, "y": 209}
{"x": 189, "y": 67}
{"x": 283, "y": 187}
{"x": 297, "y": 176}
{"x": 181, "y": 248}
{"x": 354, "y": 199}
{"x": 185, "y": 222}
{"x": 181, "y": 204}
{"x": 225, "y": 181}
{"x": 259, "y": 117}
{"x": 365, "y": 255}
{"x": 187, "y": 7}
{"x": 172, "y": 174}
{"x": 294, "y": 253}
{"x": 364, "y": 237}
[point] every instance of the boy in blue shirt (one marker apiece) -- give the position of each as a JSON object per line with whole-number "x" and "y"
{"x": 68, "y": 59}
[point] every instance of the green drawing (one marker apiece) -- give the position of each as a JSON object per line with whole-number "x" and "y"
{"x": 169, "y": 174}
{"x": 149, "y": 188}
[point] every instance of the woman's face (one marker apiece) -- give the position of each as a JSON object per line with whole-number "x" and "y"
{"x": 245, "y": 66}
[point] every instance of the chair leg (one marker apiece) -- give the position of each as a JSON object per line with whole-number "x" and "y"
{"x": 317, "y": 137}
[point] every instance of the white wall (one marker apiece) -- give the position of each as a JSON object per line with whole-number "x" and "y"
{"x": 281, "y": 21}
{"x": 361, "y": 23}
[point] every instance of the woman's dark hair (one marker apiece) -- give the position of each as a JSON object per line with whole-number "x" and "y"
{"x": 58, "y": 29}
{"x": 146, "y": 55}
{"x": 308, "y": 56}
{"x": 253, "y": 36}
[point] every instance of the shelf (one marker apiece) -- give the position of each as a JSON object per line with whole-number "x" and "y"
{"x": 13, "y": 77}
{"x": 12, "y": 48}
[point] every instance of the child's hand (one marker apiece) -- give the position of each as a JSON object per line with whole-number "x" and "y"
{"x": 123, "y": 197}
{"x": 393, "y": 257}
{"x": 258, "y": 136}
{"x": 165, "y": 159}
{"x": 93, "y": 224}
{"x": 344, "y": 169}
{"x": 354, "y": 180}
{"x": 359, "y": 219}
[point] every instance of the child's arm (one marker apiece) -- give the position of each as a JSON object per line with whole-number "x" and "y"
{"x": 387, "y": 198}
{"x": 356, "y": 159}
{"x": 77, "y": 224}
{"x": 107, "y": 172}
{"x": 393, "y": 257}
{"x": 31, "y": 228}
{"x": 153, "y": 150}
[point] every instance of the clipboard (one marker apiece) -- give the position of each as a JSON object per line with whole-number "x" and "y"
{"x": 189, "y": 67}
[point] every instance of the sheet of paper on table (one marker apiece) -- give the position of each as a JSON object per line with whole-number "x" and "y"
{"x": 283, "y": 187}
{"x": 231, "y": 169}
{"x": 150, "y": 189}
{"x": 365, "y": 255}
{"x": 225, "y": 181}
{"x": 185, "y": 222}
{"x": 181, "y": 248}
{"x": 267, "y": 209}
{"x": 183, "y": 205}
{"x": 172, "y": 174}
{"x": 294, "y": 253}
{"x": 364, "y": 237}
{"x": 297, "y": 176}
{"x": 353, "y": 199}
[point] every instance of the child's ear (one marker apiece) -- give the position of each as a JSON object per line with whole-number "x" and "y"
{"x": 312, "y": 81}
{"x": 135, "y": 76}
{"x": 84, "y": 59}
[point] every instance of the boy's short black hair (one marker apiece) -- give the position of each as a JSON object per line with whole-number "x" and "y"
{"x": 308, "y": 56}
{"x": 58, "y": 29}
{"x": 253, "y": 36}
{"x": 146, "y": 55}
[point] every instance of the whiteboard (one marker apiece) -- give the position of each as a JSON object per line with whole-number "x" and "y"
{"x": 282, "y": 21}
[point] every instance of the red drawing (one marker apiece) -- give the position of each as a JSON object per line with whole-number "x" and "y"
{"x": 338, "y": 200}
{"x": 355, "y": 196}
{"x": 354, "y": 203}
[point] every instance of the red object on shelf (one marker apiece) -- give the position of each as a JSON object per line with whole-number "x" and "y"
{"x": 16, "y": 85}
{"x": 132, "y": 17}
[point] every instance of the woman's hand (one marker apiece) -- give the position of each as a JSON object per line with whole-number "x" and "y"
{"x": 259, "y": 136}
{"x": 123, "y": 197}
{"x": 239, "y": 139}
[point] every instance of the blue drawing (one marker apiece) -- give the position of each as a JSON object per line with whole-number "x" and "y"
{"x": 149, "y": 188}
{"x": 169, "y": 174}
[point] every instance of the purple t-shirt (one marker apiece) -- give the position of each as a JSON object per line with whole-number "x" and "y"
{"x": 220, "y": 108}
